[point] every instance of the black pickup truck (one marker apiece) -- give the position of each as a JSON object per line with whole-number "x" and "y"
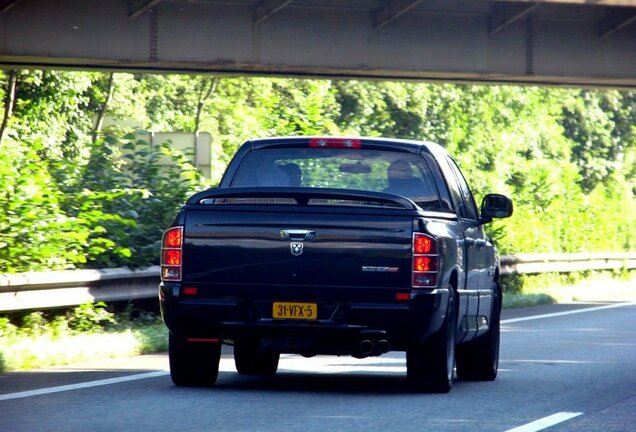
{"x": 341, "y": 246}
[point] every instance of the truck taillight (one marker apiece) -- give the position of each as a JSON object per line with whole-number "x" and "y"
{"x": 424, "y": 245}
{"x": 171, "y": 254}
{"x": 173, "y": 238}
{"x": 425, "y": 264}
{"x": 172, "y": 257}
{"x": 425, "y": 261}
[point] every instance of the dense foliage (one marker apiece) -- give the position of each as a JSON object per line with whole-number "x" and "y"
{"x": 74, "y": 194}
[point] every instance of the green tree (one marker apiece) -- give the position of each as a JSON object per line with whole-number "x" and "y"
{"x": 600, "y": 124}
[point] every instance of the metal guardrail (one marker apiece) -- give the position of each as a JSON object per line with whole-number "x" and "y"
{"x": 564, "y": 263}
{"x": 54, "y": 289}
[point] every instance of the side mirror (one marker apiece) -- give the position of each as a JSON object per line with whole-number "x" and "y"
{"x": 495, "y": 206}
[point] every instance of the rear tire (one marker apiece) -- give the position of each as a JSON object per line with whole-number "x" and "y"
{"x": 430, "y": 365}
{"x": 251, "y": 359}
{"x": 193, "y": 364}
{"x": 479, "y": 360}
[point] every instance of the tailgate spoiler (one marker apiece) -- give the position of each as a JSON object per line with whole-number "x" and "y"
{"x": 301, "y": 196}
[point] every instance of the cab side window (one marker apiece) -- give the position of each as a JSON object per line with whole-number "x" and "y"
{"x": 467, "y": 209}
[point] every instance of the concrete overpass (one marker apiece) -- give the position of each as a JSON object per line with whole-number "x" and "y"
{"x": 560, "y": 42}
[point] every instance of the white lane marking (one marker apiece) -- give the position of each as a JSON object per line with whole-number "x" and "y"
{"x": 554, "y": 361}
{"x": 77, "y": 386}
{"x": 545, "y": 422}
{"x": 572, "y": 312}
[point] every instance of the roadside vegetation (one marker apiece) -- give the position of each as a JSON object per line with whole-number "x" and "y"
{"x": 77, "y": 193}
{"x": 31, "y": 340}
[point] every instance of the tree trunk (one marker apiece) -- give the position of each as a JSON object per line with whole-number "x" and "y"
{"x": 9, "y": 100}
{"x": 211, "y": 87}
{"x": 102, "y": 111}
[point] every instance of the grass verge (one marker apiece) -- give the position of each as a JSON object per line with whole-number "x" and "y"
{"x": 546, "y": 288}
{"x": 31, "y": 352}
{"x": 36, "y": 339}
{"x": 520, "y": 300}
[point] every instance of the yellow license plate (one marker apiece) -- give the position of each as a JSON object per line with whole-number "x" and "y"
{"x": 300, "y": 311}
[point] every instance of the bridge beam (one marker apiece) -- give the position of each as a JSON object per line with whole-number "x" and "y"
{"x": 269, "y": 8}
{"x": 616, "y": 20}
{"x": 560, "y": 44}
{"x": 6, "y": 5}
{"x": 392, "y": 10}
{"x": 140, "y": 9}
{"x": 504, "y": 15}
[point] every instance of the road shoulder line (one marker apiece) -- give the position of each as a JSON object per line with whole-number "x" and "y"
{"x": 103, "y": 382}
{"x": 572, "y": 312}
{"x": 546, "y": 422}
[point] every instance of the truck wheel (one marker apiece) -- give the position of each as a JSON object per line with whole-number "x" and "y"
{"x": 251, "y": 359}
{"x": 193, "y": 364}
{"x": 430, "y": 365}
{"x": 479, "y": 360}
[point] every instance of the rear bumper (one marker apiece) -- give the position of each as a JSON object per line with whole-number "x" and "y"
{"x": 340, "y": 326}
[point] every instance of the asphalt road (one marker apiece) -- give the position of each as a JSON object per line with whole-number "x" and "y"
{"x": 560, "y": 371}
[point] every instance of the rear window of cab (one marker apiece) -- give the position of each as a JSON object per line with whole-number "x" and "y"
{"x": 403, "y": 174}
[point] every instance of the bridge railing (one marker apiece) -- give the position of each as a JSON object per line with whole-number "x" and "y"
{"x": 53, "y": 289}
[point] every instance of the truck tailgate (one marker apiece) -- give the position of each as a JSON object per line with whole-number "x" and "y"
{"x": 285, "y": 246}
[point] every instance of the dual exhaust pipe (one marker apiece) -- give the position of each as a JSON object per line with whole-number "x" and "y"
{"x": 368, "y": 347}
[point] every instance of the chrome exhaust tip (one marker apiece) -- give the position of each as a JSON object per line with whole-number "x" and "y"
{"x": 366, "y": 347}
{"x": 383, "y": 346}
